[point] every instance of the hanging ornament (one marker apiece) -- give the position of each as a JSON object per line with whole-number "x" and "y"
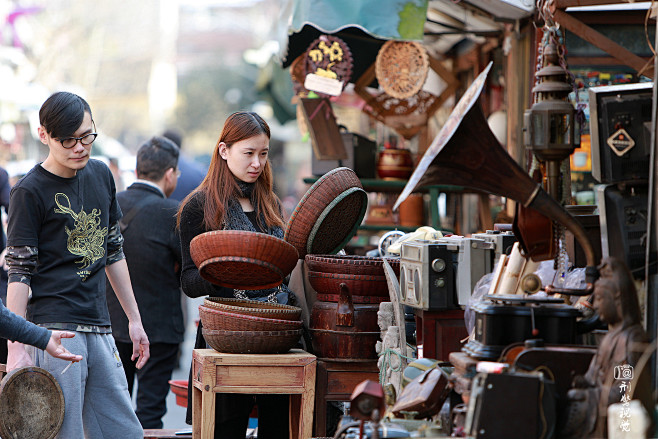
{"x": 328, "y": 66}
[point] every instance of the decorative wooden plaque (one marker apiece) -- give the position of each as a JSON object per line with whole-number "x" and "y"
{"x": 401, "y": 68}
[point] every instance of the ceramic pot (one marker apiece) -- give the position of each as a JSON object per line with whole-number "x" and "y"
{"x": 395, "y": 164}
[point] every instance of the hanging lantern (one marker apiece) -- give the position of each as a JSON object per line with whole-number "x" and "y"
{"x": 550, "y": 123}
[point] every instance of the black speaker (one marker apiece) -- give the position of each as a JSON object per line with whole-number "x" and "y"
{"x": 623, "y": 214}
{"x": 621, "y": 145}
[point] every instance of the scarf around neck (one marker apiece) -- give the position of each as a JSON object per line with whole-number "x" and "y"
{"x": 236, "y": 219}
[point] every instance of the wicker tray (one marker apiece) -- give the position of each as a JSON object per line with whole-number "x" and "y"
{"x": 350, "y": 264}
{"x": 254, "y": 308}
{"x": 241, "y": 259}
{"x": 328, "y": 214}
{"x": 251, "y": 342}
{"x": 215, "y": 319}
{"x": 357, "y": 285}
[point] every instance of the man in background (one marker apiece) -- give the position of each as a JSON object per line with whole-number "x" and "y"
{"x": 153, "y": 254}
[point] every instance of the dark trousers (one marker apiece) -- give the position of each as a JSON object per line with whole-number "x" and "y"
{"x": 232, "y": 415}
{"x": 152, "y": 380}
{"x": 3, "y": 351}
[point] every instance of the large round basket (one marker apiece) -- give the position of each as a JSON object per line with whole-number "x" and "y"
{"x": 254, "y": 308}
{"x": 243, "y": 260}
{"x": 31, "y": 404}
{"x": 251, "y": 342}
{"x": 328, "y": 214}
{"x": 401, "y": 68}
{"x": 215, "y": 319}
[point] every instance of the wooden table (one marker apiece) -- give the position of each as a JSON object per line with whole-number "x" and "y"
{"x": 336, "y": 381}
{"x": 214, "y": 372}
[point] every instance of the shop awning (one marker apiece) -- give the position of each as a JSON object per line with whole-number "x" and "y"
{"x": 364, "y": 25}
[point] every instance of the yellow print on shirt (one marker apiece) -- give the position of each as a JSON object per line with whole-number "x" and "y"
{"x": 87, "y": 238}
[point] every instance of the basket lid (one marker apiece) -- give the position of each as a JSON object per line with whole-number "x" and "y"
{"x": 31, "y": 404}
{"x": 328, "y": 215}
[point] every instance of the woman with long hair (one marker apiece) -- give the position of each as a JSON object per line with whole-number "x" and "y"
{"x": 236, "y": 194}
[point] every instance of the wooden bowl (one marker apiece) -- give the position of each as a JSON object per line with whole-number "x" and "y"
{"x": 243, "y": 260}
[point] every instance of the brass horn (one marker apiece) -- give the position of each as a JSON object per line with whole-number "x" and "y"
{"x": 466, "y": 153}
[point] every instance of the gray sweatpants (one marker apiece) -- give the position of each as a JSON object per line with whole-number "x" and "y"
{"x": 96, "y": 398}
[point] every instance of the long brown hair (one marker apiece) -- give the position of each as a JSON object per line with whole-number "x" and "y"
{"x": 219, "y": 185}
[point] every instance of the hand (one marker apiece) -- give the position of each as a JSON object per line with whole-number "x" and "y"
{"x": 140, "y": 344}
{"x": 17, "y": 356}
{"x": 57, "y": 350}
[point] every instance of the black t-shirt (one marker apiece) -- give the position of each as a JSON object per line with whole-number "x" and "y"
{"x": 67, "y": 219}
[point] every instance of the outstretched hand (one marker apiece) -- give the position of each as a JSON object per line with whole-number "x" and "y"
{"x": 56, "y": 349}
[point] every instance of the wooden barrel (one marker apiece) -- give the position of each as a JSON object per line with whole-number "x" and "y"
{"x": 31, "y": 404}
{"x": 343, "y": 330}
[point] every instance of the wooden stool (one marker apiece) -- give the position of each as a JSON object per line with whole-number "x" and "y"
{"x": 214, "y": 372}
{"x": 336, "y": 381}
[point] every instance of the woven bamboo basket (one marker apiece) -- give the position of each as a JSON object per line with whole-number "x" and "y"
{"x": 215, "y": 319}
{"x": 251, "y": 342}
{"x": 242, "y": 259}
{"x": 328, "y": 214}
{"x": 350, "y": 264}
{"x": 254, "y": 308}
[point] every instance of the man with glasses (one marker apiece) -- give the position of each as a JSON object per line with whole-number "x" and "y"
{"x": 153, "y": 253}
{"x": 63, "y": 238}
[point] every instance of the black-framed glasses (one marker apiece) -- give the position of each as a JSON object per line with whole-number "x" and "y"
{"x": 70, "y": 142}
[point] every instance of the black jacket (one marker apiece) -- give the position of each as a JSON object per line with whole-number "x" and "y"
{"x": 153, "y": 254}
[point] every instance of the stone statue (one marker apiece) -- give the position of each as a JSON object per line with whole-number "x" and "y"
{"x": 610, "y": 378}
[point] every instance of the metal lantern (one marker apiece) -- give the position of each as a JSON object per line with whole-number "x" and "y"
{"x": 550, "y": 122}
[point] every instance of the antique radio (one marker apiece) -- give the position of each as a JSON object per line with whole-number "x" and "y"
{"x": 361, "y": 157}
{"x": 473, "y": 258}
{"x": 502, "y": 242}
{"x": 427, "y": 275}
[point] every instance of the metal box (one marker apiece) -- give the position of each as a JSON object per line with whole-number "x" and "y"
{"x": 621, "y": 143}
{"x": 474, "y": 259}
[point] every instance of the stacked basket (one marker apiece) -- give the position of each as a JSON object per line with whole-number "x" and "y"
{"x": 349, "y": 290}
{"x": 249, "y": 327}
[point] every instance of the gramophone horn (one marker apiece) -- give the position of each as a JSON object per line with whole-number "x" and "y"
{"x": 466, "y": 153}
